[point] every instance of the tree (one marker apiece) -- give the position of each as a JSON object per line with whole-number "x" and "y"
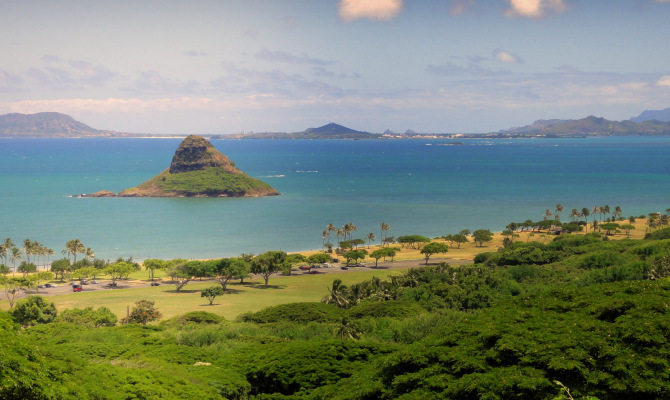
{"x": 60, "y": 267}
{"x": 318, "y": 258}
{"x": 337, "y": 294}
{"x": 211, "y": 293}
{"x": 268, "y": 263}
{"x": 40, "y": 277}
{"x": 227, "y": 269}
{"x": 83, "y": 273}
{"x": 33, "y": 310}
{"x": 609, "y": 227}
{"x": 458, "y": 239}
{"x": 27, "y": 268}
{"x": 617, "y": 213}
{"x": 370, "y": 237}
{"x": 183, "y": 273}
{"x": 384, "y": 229}
{"x": 291, "y": 260}
{"x": 482, "y": 235}
{"x": 4, "y": 270}
{"x": 118, "y": 270}
{"x": 152, "y": 264}
{"x": 377, "y": 254}
{"x": 355, "y": 255}
{"x": 434, "y": 248}
{"x": 559, "y": 209}
{"x": 14, "y": 288}
{"x": 547, "y": 214}
{"x": 585, "y": 214}
{"x": 627, "y": 228}
{"x": 143, "y": 312}
{"x": 348, "y": 329}
{"x": 74, "y": 247}
{"x": 413, "y": 240}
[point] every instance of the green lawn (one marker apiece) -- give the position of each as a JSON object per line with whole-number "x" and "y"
{"x": 251, "y": 296}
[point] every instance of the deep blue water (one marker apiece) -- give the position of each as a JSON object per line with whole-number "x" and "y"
{"x": 416, "y": 186}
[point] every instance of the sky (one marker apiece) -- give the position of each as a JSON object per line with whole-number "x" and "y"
{"x": 432, "y": 66}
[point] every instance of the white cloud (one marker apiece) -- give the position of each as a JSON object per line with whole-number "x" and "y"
{"x": 507, "y": 57}
{"x": 459, "y": 7}
{"x": 534, "y": 8}
{"x": 382, "y": 10}
{"x": 665, "y": 80}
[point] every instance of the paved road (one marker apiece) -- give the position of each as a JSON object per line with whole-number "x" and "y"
{"x": 65, "y": 288}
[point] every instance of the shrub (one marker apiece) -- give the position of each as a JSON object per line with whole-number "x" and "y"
{"x": 659, "y": 234}
{"x": 197, "y": 317}
{"x": 392, "y": 309}
{"x": 103, "y": 316}
{"x": 33, "y": 310}
{"x": 297, "y": 312}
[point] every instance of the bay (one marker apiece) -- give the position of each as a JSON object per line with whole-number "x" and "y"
{"x": 416, "y": 186}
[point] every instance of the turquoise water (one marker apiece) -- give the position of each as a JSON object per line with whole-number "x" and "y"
{"x": 416, "y": 186}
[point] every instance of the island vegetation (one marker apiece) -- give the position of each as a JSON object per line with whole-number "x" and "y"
{"x": 546, "y": 310}
{"x": 197, "y": 170}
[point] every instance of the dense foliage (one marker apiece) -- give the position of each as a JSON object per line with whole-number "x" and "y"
{"x": 590, "y": 313}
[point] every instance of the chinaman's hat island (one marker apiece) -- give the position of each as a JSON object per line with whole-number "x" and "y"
{"x": 197, "y": 170}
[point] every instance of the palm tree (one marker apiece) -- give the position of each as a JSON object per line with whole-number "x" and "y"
{"x": 28, "y": 248}
{"x": 605, "y": 209}
{"x": 384, "y": 228}
{"x": 348, "y": 329}
{"x": 585, "y": 214}
{"x": 3, "y": 253}
{"x": 617, "y": 212}
{"x": 574, "y": 214}
{"x": 337, "y": 294}
{"x": 340, "y": 232}
{"x": 15, "y": 256}
{"x": 89, "y": 253}
{"x": 324, "y": 235}
{"x": 596, "y": 210}
{"x": 331, "y": 228}
{"x": 547, "y": 214}
{"x": 74, "y": 247}
{"x": 559, "y": 209}
{"x": 370, "y": 237}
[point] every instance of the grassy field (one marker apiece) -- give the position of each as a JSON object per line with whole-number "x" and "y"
{"x": 250, "y": 296}
{"x": 253, "y": 296}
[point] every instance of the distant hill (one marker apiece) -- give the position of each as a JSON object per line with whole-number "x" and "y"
{"x": 197, "y": 170}
{"x": 48, "y": 124}
{"x": 648, "y": 115}
{"x": 333, "y": 131}
{"x": 328, "y": 131}
{"x": 592, "y": 126}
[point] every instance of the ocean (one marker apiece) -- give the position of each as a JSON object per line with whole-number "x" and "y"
{"x": 422, "y": 186}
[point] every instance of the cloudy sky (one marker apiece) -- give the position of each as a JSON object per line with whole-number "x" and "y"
{"x": 228, "y": 66}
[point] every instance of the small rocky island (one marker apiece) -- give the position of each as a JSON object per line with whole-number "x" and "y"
{"x": 197, "y": 170}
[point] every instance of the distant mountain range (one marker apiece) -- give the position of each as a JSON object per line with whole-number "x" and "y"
{"x": 591, "y": 126}
{"x": 49, "y": 124}
{"x": 650, "y": 122}
{"x": 648, "y": 115}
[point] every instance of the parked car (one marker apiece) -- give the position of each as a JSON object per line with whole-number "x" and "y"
{"x": 344, "y": 267}
{"x": 94, "y": 282}
{"x": 305, "y": 267}
{"x": 76, "y": 288}
{"x": 155, "y": 284}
